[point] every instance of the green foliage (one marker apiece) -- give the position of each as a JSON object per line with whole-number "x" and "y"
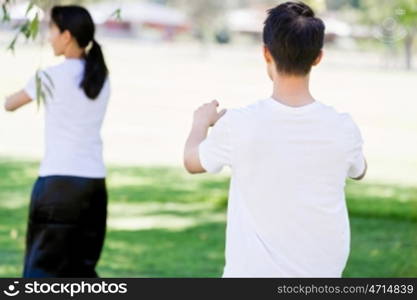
{"x": 30, "y": 29}
{"x": 404, "y": 11}
{"x": 117, "y": 14}
{"x": 397, "y": 20}
{"x": 407, "y": 13}
{"x": 43, "y": 88}
{"x": 5, "y": 13}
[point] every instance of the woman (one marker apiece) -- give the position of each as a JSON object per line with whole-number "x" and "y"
{"x": 67, "y": 218}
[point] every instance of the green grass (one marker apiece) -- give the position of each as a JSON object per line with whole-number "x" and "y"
{"x": 165, "y": 223}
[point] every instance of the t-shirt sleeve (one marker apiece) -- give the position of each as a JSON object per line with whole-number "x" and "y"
{"x": 215, "y": 151}
{"x": 30, "y": 87}
{"x": 46, "y": 82}
{"x": 356, "y": 158}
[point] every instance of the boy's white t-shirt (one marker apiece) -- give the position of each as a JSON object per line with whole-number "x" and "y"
{"x": 73, "y": 144}
{"x": 287, "y": 215}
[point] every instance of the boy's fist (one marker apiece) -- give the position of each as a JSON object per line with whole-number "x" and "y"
{"x": 207, "y": 114}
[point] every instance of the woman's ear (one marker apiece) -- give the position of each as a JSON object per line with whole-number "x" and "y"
{"x": 66, "y": 37}
{"x": 319, "y": 58}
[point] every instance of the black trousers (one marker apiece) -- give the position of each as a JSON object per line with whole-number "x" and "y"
{"x": 66, "y": 227}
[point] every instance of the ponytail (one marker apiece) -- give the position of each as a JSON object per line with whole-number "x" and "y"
{"x": 95, "y": 71}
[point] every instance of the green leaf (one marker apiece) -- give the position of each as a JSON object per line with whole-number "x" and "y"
{"x": 117, "y": 14}
{"x": 29, "y": 8}
{"x": 25, "y": 29}
{"x": 6, "y": 15}
{"x": 12, "y": 44}
{"x": 43, "y": 89}
{"x": 51, "y": 82}
{"x": 38, "y": 84}
{"x": 48, "y": 90}
{"x": 34, "y": 27}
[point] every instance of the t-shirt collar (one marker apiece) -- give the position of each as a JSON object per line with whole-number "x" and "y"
{"x": 280, "y": 106}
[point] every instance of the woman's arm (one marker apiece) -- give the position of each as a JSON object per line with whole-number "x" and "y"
{"x": 16, "y": 101}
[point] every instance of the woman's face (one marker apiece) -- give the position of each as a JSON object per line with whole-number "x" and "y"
{"x": 58, "y": 40}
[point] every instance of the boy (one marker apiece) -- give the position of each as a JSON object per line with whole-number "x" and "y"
{"x": 290, "y": 156}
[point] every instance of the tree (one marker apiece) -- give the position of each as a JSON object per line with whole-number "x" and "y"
{"x": 396, "y": 19}
{"x": 407, "y": 16}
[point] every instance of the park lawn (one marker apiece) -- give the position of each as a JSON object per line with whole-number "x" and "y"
{"x": 166, "y": 223}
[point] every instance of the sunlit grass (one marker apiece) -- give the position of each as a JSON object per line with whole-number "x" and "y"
{"x": 166, "y": 223}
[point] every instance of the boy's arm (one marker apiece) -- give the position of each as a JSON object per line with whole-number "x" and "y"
{"x": 204, "y": 117}
{"x": 357, "y": 164}
{"x": 363, "y": 174}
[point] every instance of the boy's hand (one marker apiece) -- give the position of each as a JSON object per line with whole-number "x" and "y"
{"x": 207, "y": 115}
{"x": 204, "y": 117}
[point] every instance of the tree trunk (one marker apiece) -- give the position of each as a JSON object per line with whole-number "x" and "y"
{"x": 408, "y": 45}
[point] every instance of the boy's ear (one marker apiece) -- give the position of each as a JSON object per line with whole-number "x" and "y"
{"x": 267, "y": 55}
{"x": 319, "y": 58}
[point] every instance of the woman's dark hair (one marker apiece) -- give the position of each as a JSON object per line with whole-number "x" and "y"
{"x": 294, "y": 37}
{"x": 78, "y": 21}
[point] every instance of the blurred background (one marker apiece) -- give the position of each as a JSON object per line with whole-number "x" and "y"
{"x": 168, "y": 57}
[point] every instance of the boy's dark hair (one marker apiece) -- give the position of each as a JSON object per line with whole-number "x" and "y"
{"x": 294, "y": 37}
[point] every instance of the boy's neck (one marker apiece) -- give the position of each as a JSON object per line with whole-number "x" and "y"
{"x": 292, "y": 90}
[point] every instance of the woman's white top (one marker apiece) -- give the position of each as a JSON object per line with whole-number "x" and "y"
{"x": 73, "y": 143}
